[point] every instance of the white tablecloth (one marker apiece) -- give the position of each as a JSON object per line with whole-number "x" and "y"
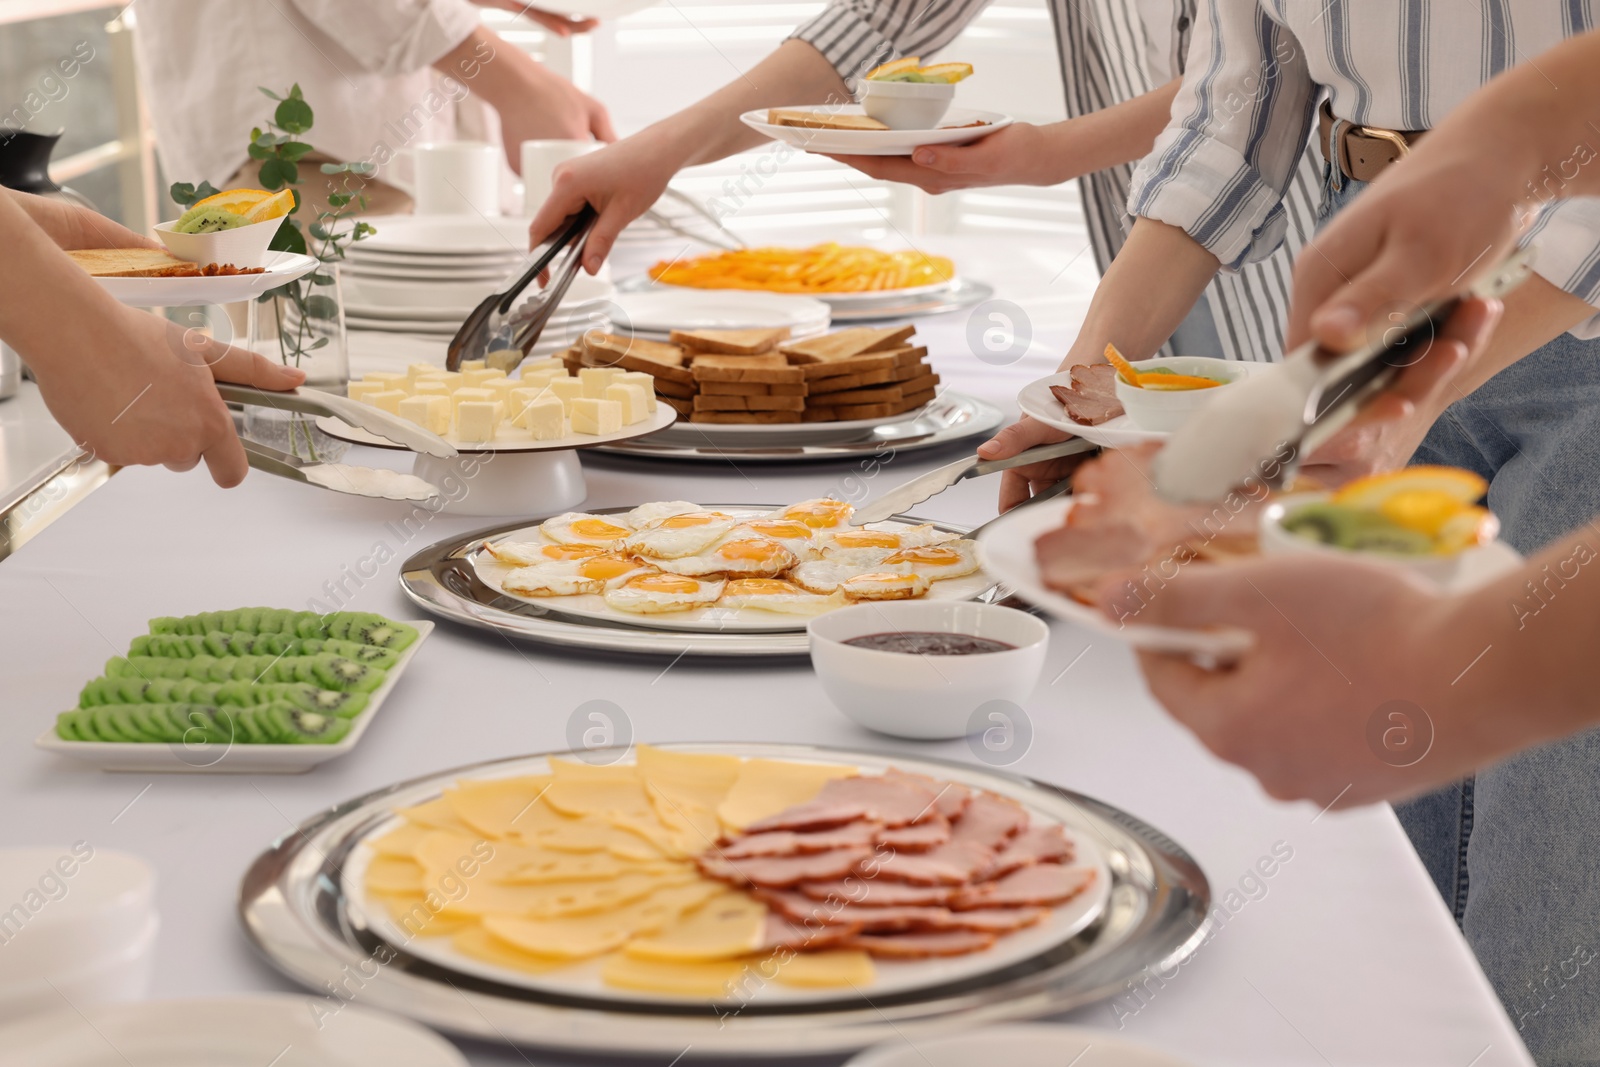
{"x": 1344, "y": 956}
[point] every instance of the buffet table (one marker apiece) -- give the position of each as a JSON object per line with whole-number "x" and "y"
{"x": 1343, "y": 955}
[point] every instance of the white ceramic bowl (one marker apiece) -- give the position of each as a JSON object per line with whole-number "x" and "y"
{"x": 1022, "y": 1045}
{"x": 925, "y": 697}
{"x": 75, "y": 912}
{"x": 243, "y": 247}
{"x": 1277, "y": 541}
{"x": 114, "y": 978}
{"x": 907, "y": 105}
{"x": 1162, "y": 411}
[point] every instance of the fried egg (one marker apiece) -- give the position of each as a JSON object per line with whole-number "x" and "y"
{"x": 528, "y": 553}
{"x": 774, "y": 594}
{"x": 573, "y": 577}
{"x": 824, "y": 576}
{"x": 881, "y": 585}
{"x": 821, "y": 513}
{"x": 952, "y": 559}
{"x": 871, "y": 543}
{"x": 645, "y": 514}
{"x": 790, "y": 533}
{"x": 578, "y": 528}
{"x": 676, "y": 536}
{"x": 755, "y": 557}
{"x": 653, "y": 594}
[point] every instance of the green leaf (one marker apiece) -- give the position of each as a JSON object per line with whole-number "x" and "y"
{"x": 276, "y": 173}
{"x": 268, "y": 93}
{"x": 321, "y": 232}
{"x": 182, "y": 194}
{"x": 294, "y": 92}
{"x": 337, "y": 200}
{"x": 319, "y": 342}
{"x": 293, "y": 115}
{"x": 363, "y": 167}
{"x": 333, "y": 168}
{"x": 321, "y": 279}
{"x": 294, "y": 151}
{"x": 363, "y": 230}
{"x": 258, "y": 152}
{"x": 321, "y": 307}
{"x": 288, "y": 238}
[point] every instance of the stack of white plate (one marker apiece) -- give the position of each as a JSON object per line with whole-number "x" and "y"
{"x": 422, "y": 275}
{"x": 78, "y": 924}
{"x": 657, "y": 310}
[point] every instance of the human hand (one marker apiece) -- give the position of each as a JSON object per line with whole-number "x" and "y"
{"x": 72, "y": 226}
{"x": 1012, "y": 156}
{"x": 558, "y": 24}
{"x": 151, "y": 397}
{"x": 1018, "y": 484}
{"x": 549, "y": 108}
{"x": 1344, "y": 698}
{"x": 622, "y": 182}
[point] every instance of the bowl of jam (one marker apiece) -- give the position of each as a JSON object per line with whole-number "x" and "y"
{"x": 923, "y": 669}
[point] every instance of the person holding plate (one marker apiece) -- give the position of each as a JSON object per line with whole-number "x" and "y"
{"x": 129, "y": 386}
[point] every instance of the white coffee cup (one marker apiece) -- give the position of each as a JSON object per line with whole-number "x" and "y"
{"x": 456, "y": 178}
{"x": 539, "y": 161}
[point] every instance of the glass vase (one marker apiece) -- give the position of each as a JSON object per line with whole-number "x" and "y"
{"x": 301, "y": 324}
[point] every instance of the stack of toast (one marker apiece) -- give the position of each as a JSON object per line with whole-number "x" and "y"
{"x": 760, "y": 377}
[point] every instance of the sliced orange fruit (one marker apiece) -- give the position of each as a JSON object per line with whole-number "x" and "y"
{"x": 1423, "y": 510}
{"x": 1176, "y": 383}
{"x": 1467, "y": 528}
{"x": 894, "y": 66}
{"x": 238, "y": 201}
{"x": 1370, "y": 493}
{"x": 946, "y": 72}
{"x": 1125, "y": 369}
{"x": 275, "y": 206}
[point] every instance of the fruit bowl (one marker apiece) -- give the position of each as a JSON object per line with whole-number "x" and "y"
{"x": 907, "y": 105}
{"x": 1277, "y": 540}
{"x": 245, "y": 246}
{"x": 1164, "y": 410}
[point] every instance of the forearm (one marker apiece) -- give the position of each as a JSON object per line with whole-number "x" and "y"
{"x": 71, "y": 226}
{"x": 1144, "y": 295}
{"x": 497, "y": 71}
{"x": 56, "y": 322}
{"x": 1122, "y": 133}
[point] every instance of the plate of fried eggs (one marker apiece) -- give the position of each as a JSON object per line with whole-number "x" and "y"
{"x": 678, "y": 565}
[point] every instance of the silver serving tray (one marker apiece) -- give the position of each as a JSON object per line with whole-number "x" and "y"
{"x": 962, "y": 293}
{"x": 949, "y": 418}
{"x": 441, "y": 579}
{"x": 293, "y": 907}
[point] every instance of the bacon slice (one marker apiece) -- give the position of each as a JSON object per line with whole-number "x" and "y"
{"x": 920, "y": 946}
{"x": 918, "y": 837}
{"x": 875, "y": 892}
{"x": 782, "y": 871}
{"x": 989, "y": 821}
{"x": 890, "y": 801}
{"x": 790, "y": 843}
{"x": 1036, "y": 886}
{"x": 1037, "y": 844}
{"x": 954, "y": 864}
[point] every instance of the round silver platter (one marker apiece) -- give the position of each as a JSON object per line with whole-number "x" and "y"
{"x": 950, "y": 417}
{"x": 294, "y": 908}
{"x": 440, "y": 579}
{"x": 859, "y": 307}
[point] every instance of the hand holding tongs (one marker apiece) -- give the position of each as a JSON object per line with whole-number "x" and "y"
{"x": 903, "y": 497}
{"x": 490, "y": 334}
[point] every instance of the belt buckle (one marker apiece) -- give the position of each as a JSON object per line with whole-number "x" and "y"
{"x": 1378, "y": 133}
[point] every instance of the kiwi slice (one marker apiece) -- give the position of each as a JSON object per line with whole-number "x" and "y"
{"x": 208, "y": 219}
{"x": 337, "y": 672}
{"x": 67, "y": 726}
{"x": 298, "y": 727}
{"x": 1390, "y": 540}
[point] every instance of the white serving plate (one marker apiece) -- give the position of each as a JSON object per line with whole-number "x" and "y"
{"x": 894, "y": 977}
{"x": 700, "y": 620}
{"x": 446, "y": 235}
{"x": 1018, "y": 1045}
{"x": 282, "y": 268}
{"x": 510, "y": 439}
{"x": 377, "y": 297}
{"x": 665, "y": 308}
{"x": 877, "y": 142}
{"x": 157, "y": 758}
{"x": 281, "y": 1030}
{"x": 1038, "y": 402}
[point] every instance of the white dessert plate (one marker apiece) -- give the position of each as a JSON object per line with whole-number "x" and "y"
{"x": 956, "y": 128}
{"x": 281, "y": 268}
{"x": 673, "y": 308}
{"x": 1037, "y": 401}
{"x": 510, "y": 438}
{"x": 211, "y": 758}
{"x": 284, "y": 1031}
{"x": 446, "y": 235}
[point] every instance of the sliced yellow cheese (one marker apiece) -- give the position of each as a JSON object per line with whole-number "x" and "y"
{"x": 577, "y": 770}
{"x": 765, "y": 787}
{"x": 667, "y": 840}
{"x": 402, "y": 841}
{"x": 727, "y": 926}
{"x": 708, "y": 777}
{"x": 480, "y": 944}
{"x": 503, "y": 807}
{"x": 436, "y": 814}
{"x": 553, "y": 866}
{"x": 413, "y": 915}
{"x": 601, "y": 834}
{"x": 699, "y": 978}
{"x": 813, "y": 970}
{"x": 394, "y": 874}
{"x": 578, "y": 797}
{"x": 556, "y": 900}
{"x": 694, "y": 825}
{"x": 581, "y": 936}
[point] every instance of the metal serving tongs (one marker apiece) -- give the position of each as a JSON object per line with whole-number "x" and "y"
{"x": 344, "y": 478}
{"x": 305, "y": 401}
{"x": 904, "y": 497}
{"x": 730, "y": 241}
{"x": 490, "y": 333}
{"x": 1259, "y": 429}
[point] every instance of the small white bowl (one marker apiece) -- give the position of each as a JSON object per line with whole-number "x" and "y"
{"x": 925, "y": 697}
{"x": 114, "y": 978}
{"x": 75, "y": 912}
{"x": 243, "y": 247}
{"x": 1277, "y": 541}
{"x": 907, "y": 105}
{"x": 1162, "y": 411}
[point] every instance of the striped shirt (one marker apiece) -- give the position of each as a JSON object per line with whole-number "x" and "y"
{"x": 1111, "y": 51}
{"x": 1258, "y": 70}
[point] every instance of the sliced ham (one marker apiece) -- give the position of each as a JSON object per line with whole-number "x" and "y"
{"x": 920, "y": 946}
{"x": 890, "y": 801}
{"x": 789, "y": 843}
{"x": 780, "y": 932}
{"x": 949, "y": 797}
{"x": 1036, "y": 886}
{"x": 989, "y": 821}
{"x": 782, "y": 871}
{"x": 1091, "y": 399}
{"x": 918, "y": 837}
{"x": 998, "y": 920}
{"x": 954, "y": 864}
{"x": 801, "y": 909}
{"x": 1037, "y": 844}
{"x": 875, "y": 892}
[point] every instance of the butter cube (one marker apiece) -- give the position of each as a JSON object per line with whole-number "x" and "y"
{"x": 596, "y": 379}
{"x": 475, "y": 377}
{"x": 596, "y": 417}
{"x": 465, "y": 396}
{"x": 420, "y": 370}
{"x": 477, "y": 421}
{"x": 544, "y": 417}
{"x": 538, "y": 379}
{"x": 429, "y": 412}
{"x": 549, "y": 363}
{"x": 390, "y": 379}
{"x": 502, "y": 388}
{"x": 472, "y": 364}
{"x": 431, "y": 387}
{"x": 388, "y": 400}
{"x": 451, "y": 379}
{"x": 645, "y": 381}
{"x": 567, "y": 390}
{"x": 362, "y": 390}
{"x": 631, "y": 401}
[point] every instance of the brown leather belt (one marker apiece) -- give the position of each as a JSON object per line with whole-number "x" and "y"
{"x": 1364, "y": 151}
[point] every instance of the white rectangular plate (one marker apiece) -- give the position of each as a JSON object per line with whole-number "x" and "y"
{"x": 154, "y": 757}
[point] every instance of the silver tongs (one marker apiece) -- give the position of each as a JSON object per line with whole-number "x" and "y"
{"x": 491, "y": 334}
{"x": 903, "y": 497}
{"x": 306, "y": 401}
{"x": 1261, "y": 428}
{"x": 346, "y": 478}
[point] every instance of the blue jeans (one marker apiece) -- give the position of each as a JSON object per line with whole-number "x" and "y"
{"x": 1515, "y": 850}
